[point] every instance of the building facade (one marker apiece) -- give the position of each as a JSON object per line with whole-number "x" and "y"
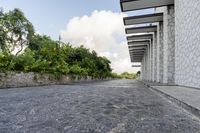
{"x": 173, "y": 53}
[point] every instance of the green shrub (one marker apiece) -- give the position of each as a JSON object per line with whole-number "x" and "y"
{"x": 75, "y": 69}
{"x": 6, "y": 62}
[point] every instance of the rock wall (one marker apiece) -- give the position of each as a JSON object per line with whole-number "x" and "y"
{"x": 20, "y": 79}
{"x": 187, "y": 32}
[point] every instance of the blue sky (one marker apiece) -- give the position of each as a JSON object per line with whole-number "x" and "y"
{"x": 96, "y": 24}
{"x": 50, "y": 16}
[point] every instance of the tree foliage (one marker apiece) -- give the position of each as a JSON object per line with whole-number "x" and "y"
{"x": 125, "y": 75}
{"x": 15, "y": 31}
{"x": 36, "y": 53}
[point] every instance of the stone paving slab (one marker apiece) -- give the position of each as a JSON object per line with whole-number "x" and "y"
{"x": 118, "y": 106}
{"x": 188, "y": 96}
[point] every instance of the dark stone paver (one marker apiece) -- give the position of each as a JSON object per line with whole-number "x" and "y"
{"x": 118, "y": 106}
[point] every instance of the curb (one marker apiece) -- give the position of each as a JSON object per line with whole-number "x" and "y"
{"x": 189, "y": 108}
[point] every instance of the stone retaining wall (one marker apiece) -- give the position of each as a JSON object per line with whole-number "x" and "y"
{"x": 21, "y": 79}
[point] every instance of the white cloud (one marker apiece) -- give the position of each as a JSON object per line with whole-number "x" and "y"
{"x": 102, "y": 31}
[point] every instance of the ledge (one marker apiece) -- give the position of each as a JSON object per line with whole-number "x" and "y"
{"x": 131, "y": 5}
{"x": 135, "y": 43}
{"x": 140, "y": 37}
{"x": 142, "y": 19}
{"x": 144, "y": 29}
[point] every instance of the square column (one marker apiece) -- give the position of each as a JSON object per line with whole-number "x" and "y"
{"x": 169, "y": 46}
{"x": 159, "y": 54}
{"x": 142, "y": 68}
{"x": 146, "y": 64}
{"x": 151, "y": 61}
{"x": 154, "y": 56}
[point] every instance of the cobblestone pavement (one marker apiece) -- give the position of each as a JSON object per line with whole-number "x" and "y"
{"x": 118, "y": 106}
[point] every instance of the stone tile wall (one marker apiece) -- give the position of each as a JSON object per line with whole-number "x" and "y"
{"x": 187, "y": 32}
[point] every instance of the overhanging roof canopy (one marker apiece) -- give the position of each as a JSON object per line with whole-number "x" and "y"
{"x": 136, "y": 59}
{"x": 134, "y": 54}
{"x": 136, "y": 65}
{"x": 140, "y": 37}
{"x": 140, "y": 53}
{"x": 137, "y": 50}
{"x": 150, "y": 18}
{"x": 143, "y": 29}
{"x": 130, "y": 5}
{"x": 137, "y": 53}
{"x": 138, "y": 43}
{"x": 141, "y": 48}
{"x": 138, "y": 47}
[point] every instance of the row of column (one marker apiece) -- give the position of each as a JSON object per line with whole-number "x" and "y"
{"x": 158, "y": 64}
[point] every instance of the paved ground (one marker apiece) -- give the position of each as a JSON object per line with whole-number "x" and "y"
{"x": 119, "y": 106}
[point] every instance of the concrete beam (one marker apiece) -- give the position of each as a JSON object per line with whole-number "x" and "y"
{"x": 143, "y": 42}
{"x": 142, "y": 19}
{"x": 140, "y": 37}
{"x": 137, "y": 50}
{"x": 136, "y": 65}
{"x": 144, "y": 29}
{"x": 130, "y": 5}
{"x": 136, "y": 53}
{"x": 136, "y": 60}
{"x": 137, "y": 46}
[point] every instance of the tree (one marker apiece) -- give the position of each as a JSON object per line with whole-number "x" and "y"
{"x": 43, "y": 54}
{"x": 16, "y": 31}
{"x": 129, "y": 75}
{"x": 2, "y": 33}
